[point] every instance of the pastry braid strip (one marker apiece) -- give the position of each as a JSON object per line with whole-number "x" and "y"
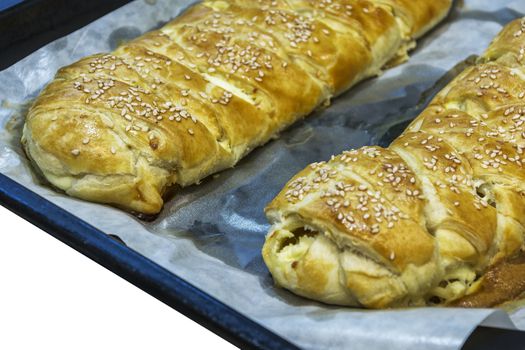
{"x": 421, "y": 221}
{"x": 193, "y": 97}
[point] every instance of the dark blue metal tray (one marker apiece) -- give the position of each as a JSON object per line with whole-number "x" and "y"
{"x": 28, "y": 25}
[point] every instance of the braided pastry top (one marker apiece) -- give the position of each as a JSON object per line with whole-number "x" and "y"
{"x": 419, "y": 222}
{"x": 180, "y": 103}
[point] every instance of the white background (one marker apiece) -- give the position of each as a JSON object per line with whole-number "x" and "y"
{"x": 52, "y": 297}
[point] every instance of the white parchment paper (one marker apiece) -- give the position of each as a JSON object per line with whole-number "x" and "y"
{"x": 211, "y": 234}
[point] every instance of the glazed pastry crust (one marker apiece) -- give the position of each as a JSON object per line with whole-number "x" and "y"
{"x": 192, "y": 98}
{"x": 420, "y": 222}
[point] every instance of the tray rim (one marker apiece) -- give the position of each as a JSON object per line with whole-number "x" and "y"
{"x": 140, "y": 271}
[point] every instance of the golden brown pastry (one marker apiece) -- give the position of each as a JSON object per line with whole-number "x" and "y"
{"x": 421, "y": 221}
{"x": 192, "y": 98}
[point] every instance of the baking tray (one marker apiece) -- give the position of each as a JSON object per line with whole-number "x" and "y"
{"x": 5, "y": 4}
{"x": 28, "y": 25}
